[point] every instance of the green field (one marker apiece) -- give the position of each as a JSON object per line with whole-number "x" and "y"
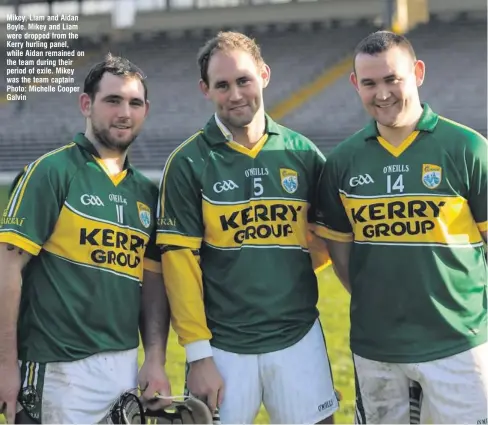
{"x": 334, "y": 314}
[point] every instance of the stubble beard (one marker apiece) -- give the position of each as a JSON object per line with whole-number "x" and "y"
{"x": 107, "y": 141}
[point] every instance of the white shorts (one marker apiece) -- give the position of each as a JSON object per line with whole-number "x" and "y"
{"x": 294, "y": 384}
{"x": 452, "y": 390}
{"x": 78, "y": 392}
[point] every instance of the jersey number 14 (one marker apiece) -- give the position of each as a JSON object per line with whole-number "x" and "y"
{"x": 398, "y": 185}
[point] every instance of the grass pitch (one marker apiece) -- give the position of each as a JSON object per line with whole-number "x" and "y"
{"x": 334, "y": 315}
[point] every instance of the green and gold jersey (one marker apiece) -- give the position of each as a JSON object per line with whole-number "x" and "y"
{"x": 91, "y": 236}
{"x": 247, "y": 212}
{"x": 414, "y": 213}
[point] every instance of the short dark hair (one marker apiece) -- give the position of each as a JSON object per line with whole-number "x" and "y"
{"x": 115, "y": 65}
{"x": 381, "y": 41}
{"x": 226, "y": 41}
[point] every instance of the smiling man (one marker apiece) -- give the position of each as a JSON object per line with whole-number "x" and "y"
{"x": 403, "y": 207}
{"x": 236, "y": 203}
{"x": 77, "y": 241}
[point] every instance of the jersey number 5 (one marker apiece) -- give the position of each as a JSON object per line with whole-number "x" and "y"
{"x": 398, "y": 185}
{"x": 258, "y": 187}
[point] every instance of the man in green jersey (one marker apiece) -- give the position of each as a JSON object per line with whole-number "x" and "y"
{"x": 76, "y": 244}
{"x": 235, "y": 208}
{"x": 404, "y": 211}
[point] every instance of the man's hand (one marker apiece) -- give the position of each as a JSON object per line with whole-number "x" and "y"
{"x": 204, "y": 382}
{"x": 9, "y": 389}
{"x": 153, "y": 382}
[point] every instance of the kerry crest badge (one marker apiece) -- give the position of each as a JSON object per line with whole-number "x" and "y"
{"x": 431, "y": 175}
{"x": 289, "y": 180}
{"x": 144, "y": 214}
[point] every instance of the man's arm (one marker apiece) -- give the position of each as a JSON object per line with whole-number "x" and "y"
{"x": 476, "y": 160}
{"x": 12, "y": 261}
{"x": 35, "y": 199}
{"x": 180, "y": 234}
{"x": 155, "y": 312}
{"x": 154, "y": 328}
{"x": 154, "y": 318}
{"x": 317, "y": 247}
{"x": 332, "y": 222}
{"x": 184, "y": 286}
{"x": 183, "y": 280}
{"x": 339, "y": 254}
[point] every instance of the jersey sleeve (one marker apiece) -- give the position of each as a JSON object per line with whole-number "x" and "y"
{"x": 183, "y": 280}
{"x": 476, "y": 159}
{"x": 179, "y": 215}
{"x": 332, "y": 220}
{"x": 316, "y": 246}
{"x": 180, "y": 225}
{"x": 316, "y": 166}
{"x": 152, "y": 256}
{"x": 35, "y": 200}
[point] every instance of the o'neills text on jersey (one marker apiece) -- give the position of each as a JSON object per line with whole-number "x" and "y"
{"x": 256, "y": 172}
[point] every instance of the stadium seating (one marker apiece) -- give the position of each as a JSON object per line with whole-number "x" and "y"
{"x": 455, "y": 84}
{"x": 455, "y": 53}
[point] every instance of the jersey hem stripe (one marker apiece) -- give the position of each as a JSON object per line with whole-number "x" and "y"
{"x": 482, "y": 227}
{"x": 152, "y": 266}
{"x": 21, "y": 242}
{"x": 178, "y": 240}
{"x": 333, "y": 235}
{"x": 162, "y": 198}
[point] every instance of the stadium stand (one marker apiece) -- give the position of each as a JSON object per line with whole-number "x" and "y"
{"x": 178, "y": 108}
{"x": 455, "y": 84}
{"x": 454, "y": 51}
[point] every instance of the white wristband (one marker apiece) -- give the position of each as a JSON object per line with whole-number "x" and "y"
{"x": 198, "y": 350}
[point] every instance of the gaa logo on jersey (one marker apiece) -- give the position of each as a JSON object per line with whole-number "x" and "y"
{"x": 144, "y": 214}
{"x": 431, "y": 175}
{"x": 289, "y": 180}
